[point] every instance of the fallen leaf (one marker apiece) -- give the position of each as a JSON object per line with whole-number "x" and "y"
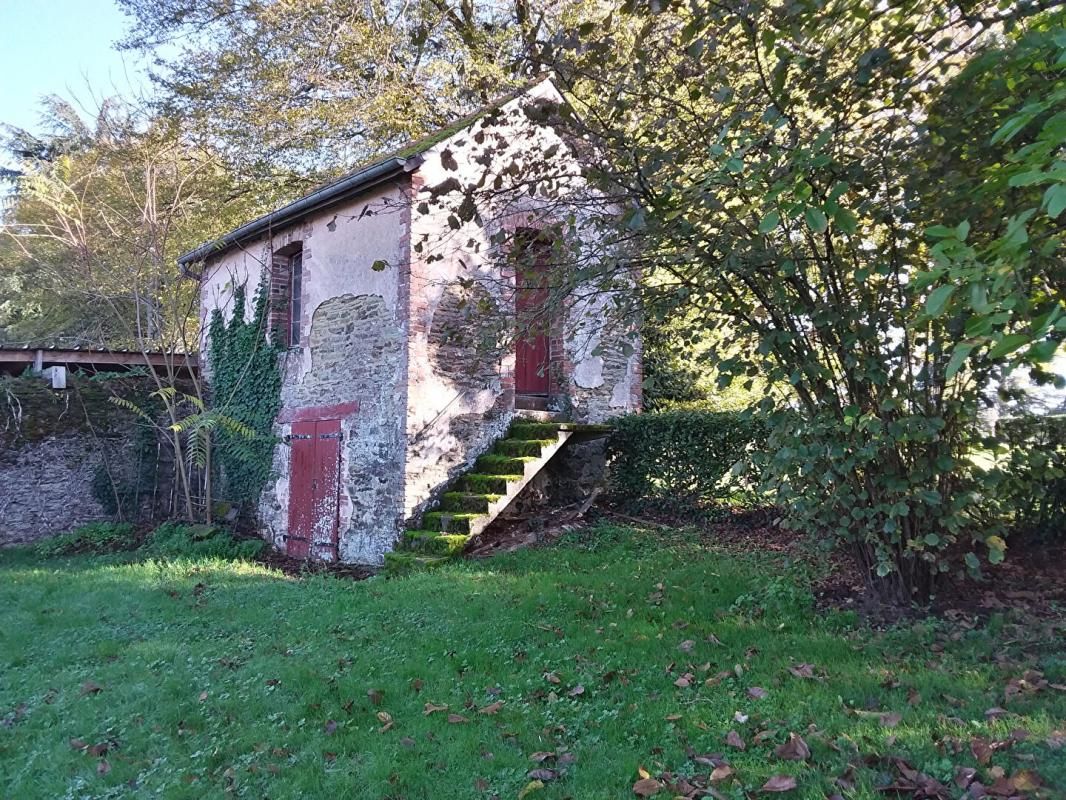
{"x": 203, "y": 697}
{"x": 795, "y": 749}
{"x": 758, "y": 693}
{"x": 457, "y": 719}
{"x": 103, "y": 767}
{"x": 330, "y": 727}
{"x": 733, "y": 740}
{"x": 376, "y": 696}
{"x": 891, "y": 719}
{"x": 529, "y": 788}
{"x": 91, "y": 687}
{"x": 686, "y": 646}
{"x": 542, "y": 774}
{"x": 430, "y": 708}
{"x": 407, "y": 741}
{"x": 684, "y": 681}
{"x": 78, "y": 744}
{"x": 541, "y": 756}
{"x": 551, "y": 677}
{"x": 480, "y": 784}
{"x": 981, "y": 749}
{"x": 1026, "y": 780}
{"x": 740, "y": 717}
{"x": 99, "y": 749}
{"x": 779, "y": 783}
{"x": 646, "y": 787}
{"x": 491, "y": 708}
{"x": 964, "y": 776}
{"x": 384, "y": 717}
{"x": 802, "y": 671}
{"x": 721, "y": 773}
{"x": 577, "y": 691}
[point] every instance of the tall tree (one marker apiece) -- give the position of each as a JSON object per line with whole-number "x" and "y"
{"x": 295, "y": 89}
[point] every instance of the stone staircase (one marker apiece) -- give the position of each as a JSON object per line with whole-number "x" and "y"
{"x": 479, "y": 496}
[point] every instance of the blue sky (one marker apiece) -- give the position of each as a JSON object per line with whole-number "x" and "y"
{"x": 63, "y": 47}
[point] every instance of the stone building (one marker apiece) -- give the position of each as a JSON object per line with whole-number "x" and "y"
{"x": 414, "y": 340}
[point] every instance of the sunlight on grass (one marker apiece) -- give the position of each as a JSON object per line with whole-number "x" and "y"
{"x": 611, "y": 651}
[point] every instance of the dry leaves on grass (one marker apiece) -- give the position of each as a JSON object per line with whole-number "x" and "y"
{"x": 646, "y": 787}
{"x": 758, "y": 693}
{"x": 795, "y": 749}
{"x": 779, "y": 783}
{"x": 733, "y": 739}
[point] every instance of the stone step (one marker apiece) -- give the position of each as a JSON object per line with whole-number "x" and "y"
{"x": 454, "y": 522}
{"x": 534, "y": 430}
{"x": 495, "y": 464}
{"x": 468, "y": 501}
{"x": 480, "y": 483}
{"x": 399, "y": 562}
{"x": 436, "y": 543}
{"x": 522, "y": 447}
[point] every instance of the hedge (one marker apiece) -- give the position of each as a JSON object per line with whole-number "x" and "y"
{"x": 1031, "y": 486}
{"x": 685, "y": 457}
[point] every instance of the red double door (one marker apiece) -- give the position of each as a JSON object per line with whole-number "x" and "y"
{"x": 314, "y": 491}
{"x": 532, "y": 349}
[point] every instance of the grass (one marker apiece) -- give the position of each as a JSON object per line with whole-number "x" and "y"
{"x": 214, "y": 678}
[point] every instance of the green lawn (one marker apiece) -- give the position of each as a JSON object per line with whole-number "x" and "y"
{"x": 611, "y": 651}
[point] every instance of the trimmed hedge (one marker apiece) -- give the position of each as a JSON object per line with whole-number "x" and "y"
{"x": 1032, "y": 483}
{"x": 684, "y": 457}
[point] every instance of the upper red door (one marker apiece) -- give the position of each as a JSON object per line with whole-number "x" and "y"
{"x": 313, "y": 486}
{"x": 531, "y": 350}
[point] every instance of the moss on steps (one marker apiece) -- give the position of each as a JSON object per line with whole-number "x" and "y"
{"x": 449, "y": 522}
{"x": 534, "y": 430}
{"x": 446, "y": 530}
{"x": 475, "y": 502}
{"x": 495, "y": 464}
{"x": 522, "y": 447}
{"x": 435, "y": 542}
{"x": 399, "y": 562}
{"x": 479, "y": 483}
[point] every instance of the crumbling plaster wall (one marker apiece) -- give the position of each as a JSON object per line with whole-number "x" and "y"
{"x": 351, "y": 354}
{"x": 461, "y": 399}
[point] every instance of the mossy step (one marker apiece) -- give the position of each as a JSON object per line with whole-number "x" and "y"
{"x": 476, "y": 502}
{"x": 399, "y": 563}
{"x": 522, "y": 447}
{"x": 534, "y": 430}
{"x": 449, "y": 522}
{"x": 495, "y": 464}
{"x": 435, "y": 542}
{"x": 488, "y": 484}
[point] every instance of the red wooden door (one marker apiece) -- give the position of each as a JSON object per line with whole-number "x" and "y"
{"x": 313, "y": 486}
{"x": 531, "y": 350}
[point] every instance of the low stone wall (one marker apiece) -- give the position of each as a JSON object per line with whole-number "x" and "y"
{"x": 63, "y": 455}
{"x": 46, "y": 486}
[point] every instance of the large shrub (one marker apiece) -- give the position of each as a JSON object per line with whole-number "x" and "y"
{"x": 683, "y": 457}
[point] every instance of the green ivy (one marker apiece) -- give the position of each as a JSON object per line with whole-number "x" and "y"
{"x": 245, "y": 386}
